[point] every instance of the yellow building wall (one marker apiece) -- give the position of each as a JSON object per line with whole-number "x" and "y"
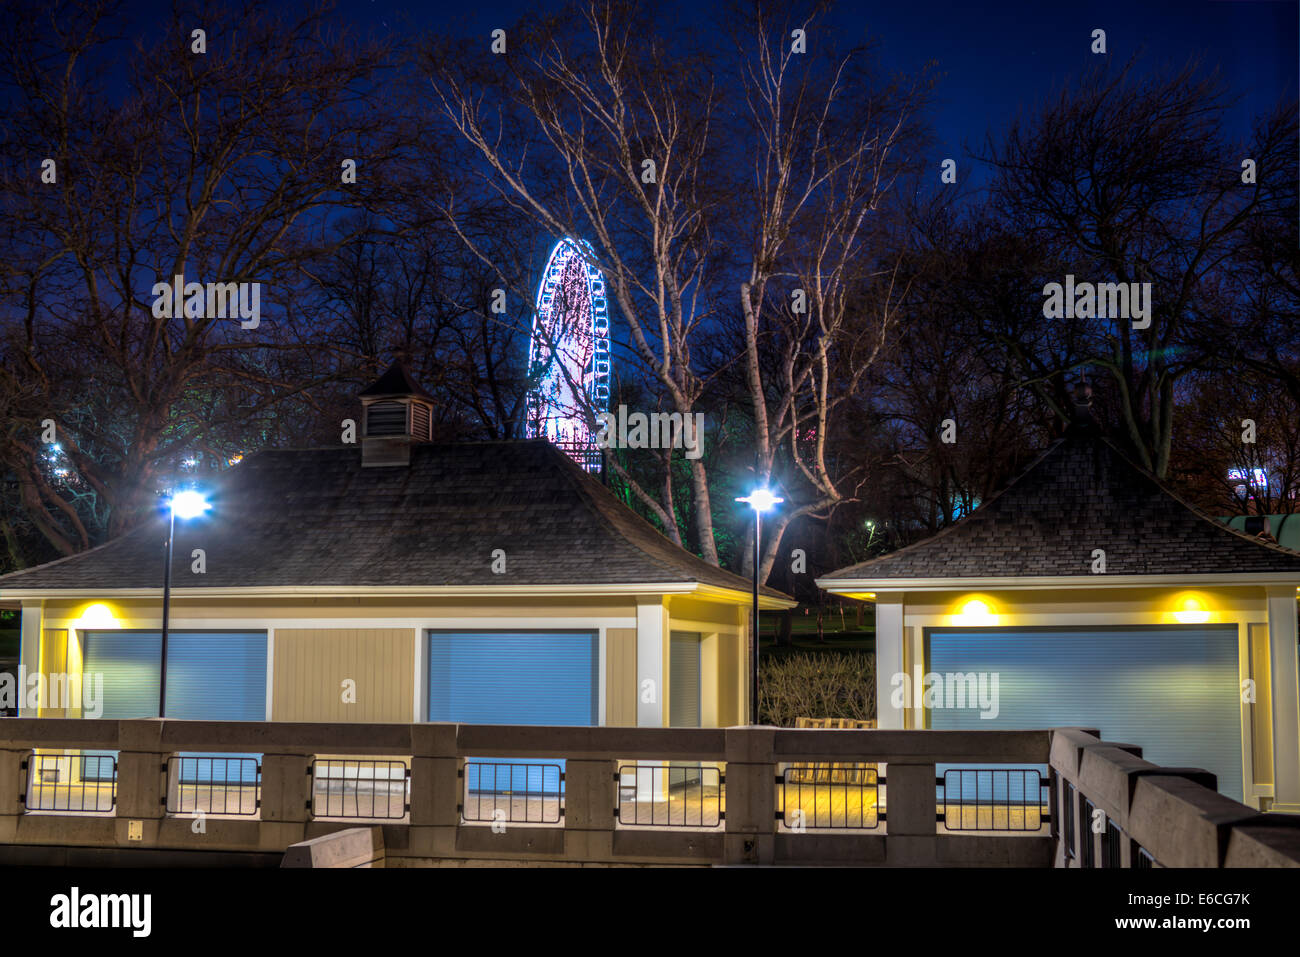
{"x": 727, "y": 651}
{"x": 54, "y": 662}
{"x": 312, "y": 664}
{"x": 620, "y": 677}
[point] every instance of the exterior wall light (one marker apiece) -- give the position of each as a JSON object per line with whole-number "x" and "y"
{"x": 976, "y": 613}
{"x": 1191, "y": 611}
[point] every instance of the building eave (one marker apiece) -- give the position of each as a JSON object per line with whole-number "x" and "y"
{"x": 856, "y": 587}
{"x": 696, "y": 589}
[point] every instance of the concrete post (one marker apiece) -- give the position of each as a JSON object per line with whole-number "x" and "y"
{"x": 436, "y": 790}
{"x": 141, "y": 780}
{"x": 12, "y": 788}
{"x": 910, "y": 820}
{"x": 750, "y": 824}
{"x": 286, "y": 799}
{"x": 589, "y": 796}
{"x": 1286, "y": 698}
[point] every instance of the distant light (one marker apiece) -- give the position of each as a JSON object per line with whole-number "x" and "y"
{"x": 235, "y": 459}
{"x": 870, "y": 524}
{"x": 1255, "y": 478}
{"x": 761, "y": 500}
{"x": 189, "y": 504}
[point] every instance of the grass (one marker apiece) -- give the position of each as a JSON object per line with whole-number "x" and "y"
{"x": 816, "y": 686}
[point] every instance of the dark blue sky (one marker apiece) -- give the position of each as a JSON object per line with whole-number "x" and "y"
{"x": 995, "y": 56}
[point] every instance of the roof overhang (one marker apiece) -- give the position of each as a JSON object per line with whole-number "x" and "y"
{"x": 696, "y": 589}
{"x": 864, "y": 587}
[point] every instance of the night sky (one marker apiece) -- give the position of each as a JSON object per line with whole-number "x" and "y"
{"x": 994, "y": 58}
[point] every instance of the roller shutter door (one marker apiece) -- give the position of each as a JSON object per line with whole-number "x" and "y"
{"x": 514, "y": 678}
{"x": 1173, "y": 689}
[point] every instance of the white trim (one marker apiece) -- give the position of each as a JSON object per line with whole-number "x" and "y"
{"x": 412, "y": 591}
{"x": 420, "y": 706}
{"x": 600, "y": 678}
{"x": 1249, "y": 793}
{"x": 270, "y": 668}
{"x": 841, "y": 586}
{"x": 532, "y": 622}
{"x": 1285, "y": 699}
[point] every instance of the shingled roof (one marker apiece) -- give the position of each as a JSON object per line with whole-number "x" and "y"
{"x": 1081, "y": 494}
{"x": 317, "y": 518}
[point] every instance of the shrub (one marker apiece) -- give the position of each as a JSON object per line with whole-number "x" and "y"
{"x": 817, "y": 686}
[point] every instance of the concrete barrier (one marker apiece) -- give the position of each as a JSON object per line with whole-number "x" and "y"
{"x": 355, "y": 847}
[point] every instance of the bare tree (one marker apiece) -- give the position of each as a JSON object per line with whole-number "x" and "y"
{"x": 219, "y": 166}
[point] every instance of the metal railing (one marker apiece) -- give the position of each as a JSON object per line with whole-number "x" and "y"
{"x": 213, "y": 784}
{"x": 670, "y": 790}
{"x": 1111, "y": 848}
{"x": 1067, "y": 832}
{"x": 518, "y": 793}
{"x": 1086, "y": 856}
{"x": 837, "y": 796}
{"x": 85, "y": 783}
{"x": 993, "y": 799}
{"x": 359, "y": 788}
{"x": 657, "y": 795}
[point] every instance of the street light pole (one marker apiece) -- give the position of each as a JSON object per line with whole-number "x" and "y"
{"x": 190, "y": 505}
{"x": 754, "y": 630}
{"x": 760, "y": 500}
{"x": 167, "y": 597}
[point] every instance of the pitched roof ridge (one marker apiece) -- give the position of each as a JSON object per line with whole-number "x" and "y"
{"x": 961, "y": 522}
{"x": 587, "y": 487}
{"x": 1095, "y": 438}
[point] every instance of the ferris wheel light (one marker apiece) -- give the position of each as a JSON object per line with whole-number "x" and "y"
{"x": 568, "y": 354}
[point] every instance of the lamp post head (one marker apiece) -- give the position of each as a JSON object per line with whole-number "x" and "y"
{"x": 761, "y": 500}
{"x": 188, "y": 504}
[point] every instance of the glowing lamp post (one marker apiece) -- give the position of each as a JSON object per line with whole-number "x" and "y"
{"x": 760, "y": 500}
{"x": 186, "y": 505}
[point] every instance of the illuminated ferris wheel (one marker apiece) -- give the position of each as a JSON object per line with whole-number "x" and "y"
{"x": 568, "y": 354}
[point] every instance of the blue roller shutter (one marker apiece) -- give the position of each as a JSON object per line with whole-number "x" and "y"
{"x": 514, "y": 678}
{"x": 1172, "y": 689}
{"x": 683, "y": 697}
{"x": 211, "y": 676}
{"x": 684, "y": 679}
